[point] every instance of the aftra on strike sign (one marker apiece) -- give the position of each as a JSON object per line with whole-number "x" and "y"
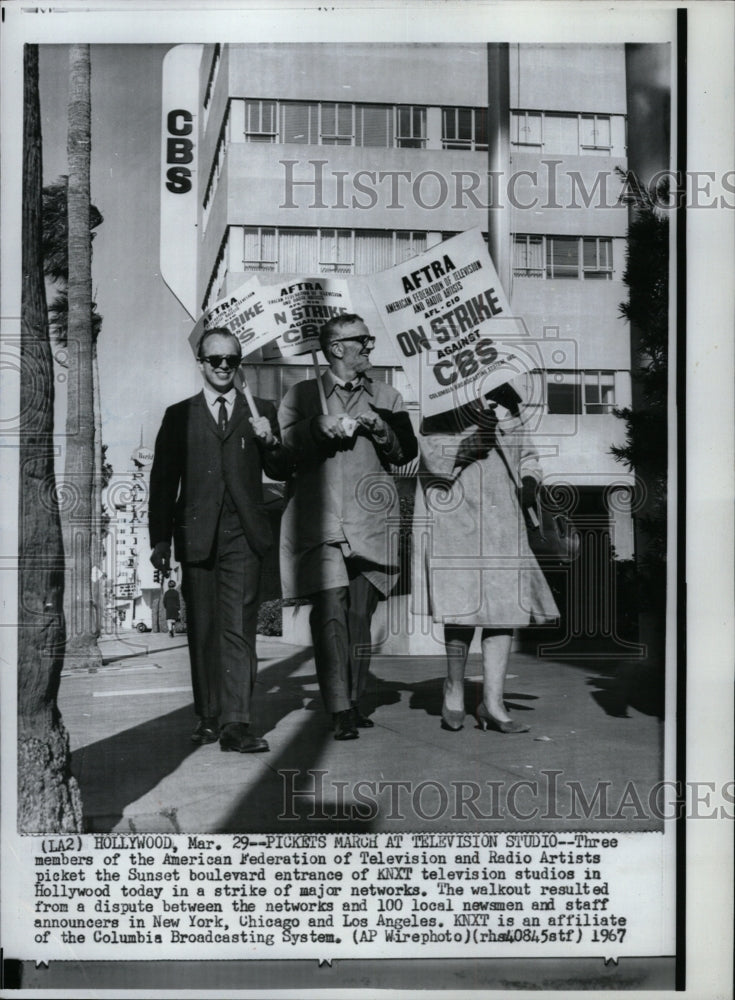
{"x": 449, "y": 323}
{"x": 244, "y": 312}
{"x": 300, "y": 308}
{"x": 291, "y": 314}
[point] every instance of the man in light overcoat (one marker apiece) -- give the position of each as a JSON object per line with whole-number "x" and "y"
{"x": 336, "y": 530}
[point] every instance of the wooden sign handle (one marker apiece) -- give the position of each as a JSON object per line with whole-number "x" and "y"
{"x": 317, "y": 373}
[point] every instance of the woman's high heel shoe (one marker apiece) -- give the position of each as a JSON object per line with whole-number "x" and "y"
{"x": 451, "y": 719}
{"x": 484, "y": 719}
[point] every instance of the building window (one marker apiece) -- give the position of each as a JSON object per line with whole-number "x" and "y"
{"x": 336, "y": 251}
{"x": 298, "y": 250}
{"x": 410, "y": 127}
{"x": 464, "y": 128}
{"x": 528, "y": 256}
{"x": 409, "y": 244}
{"x": 594, "y": 132}
{"x": 553, "y": 257}
{"x": 329, "y": 123}
{"x": 448, "y": 235}
{"x": 218, "y": 272}
{"x": 599, "y": 392}
{"x": 259, "y": 249}
{"x": 337, "y": 125}
{"x": 218, "y": 162}
{"x": 328, "y": 251}
{"x": 299, "y": 122}
{"x": 577, "y": 392}
{"x": 562, "y": 257}
{"x": 261, "y": 121}
{"x": 564, "y": 133}
{"x": 563, "y": 393}
{"x": 597, "y": 257}
{"x": 373, "y": 125}
{"x": 526, "y": 129}
{"x": 213, "y": 70}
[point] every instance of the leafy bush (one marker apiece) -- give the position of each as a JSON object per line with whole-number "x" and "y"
{"x": 270, "y": 618}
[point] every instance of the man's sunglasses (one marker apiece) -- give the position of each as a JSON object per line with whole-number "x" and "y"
{"x": 364, "y": 341}
{"x": 232, "y": 361}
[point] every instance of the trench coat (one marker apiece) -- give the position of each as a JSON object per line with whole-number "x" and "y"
{"x": 341, "y": 501}
{"x": 472, "y": 561}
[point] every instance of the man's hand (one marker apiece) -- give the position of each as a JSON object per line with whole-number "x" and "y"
{"x": 263, "y": 431}
{"x": 161, "y": 557}
{"x": 328, "y": 428}
{"x": 374, "y": 425}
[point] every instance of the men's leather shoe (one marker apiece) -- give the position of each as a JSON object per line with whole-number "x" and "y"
{"x": 237, "y": 736}
{"x": 207, "y": 731}
{"x": 344, "y": 725}
{"x": 359, "y": 720}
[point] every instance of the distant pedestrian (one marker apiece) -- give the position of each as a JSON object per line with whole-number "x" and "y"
{"x": 172, "y": 606}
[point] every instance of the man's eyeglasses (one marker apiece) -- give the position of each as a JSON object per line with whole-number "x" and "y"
{"x": 365, "y": 341}
{"x": 232, "y": 361}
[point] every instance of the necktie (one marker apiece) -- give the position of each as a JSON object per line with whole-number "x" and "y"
{"x": 222, "y": 416}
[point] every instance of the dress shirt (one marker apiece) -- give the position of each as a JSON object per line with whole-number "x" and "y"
{"x": 212, "y": 397}
{"x": 360, "y": 383}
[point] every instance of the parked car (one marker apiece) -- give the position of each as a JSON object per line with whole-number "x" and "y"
{"x": 141, "y": 626}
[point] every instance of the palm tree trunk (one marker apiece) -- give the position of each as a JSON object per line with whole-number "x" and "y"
{"x": 96, "y": 553}
{"x": 82, "y": 625}
{"x": 48, "y": 797}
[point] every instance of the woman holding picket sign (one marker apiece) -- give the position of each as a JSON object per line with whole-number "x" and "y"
{"x": 478, "y": 472}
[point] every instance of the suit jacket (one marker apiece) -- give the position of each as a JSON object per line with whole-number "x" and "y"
{"x": 193, "y": 464}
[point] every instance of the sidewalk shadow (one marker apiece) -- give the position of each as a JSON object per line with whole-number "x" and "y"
{"x": 297, "y": 798}
{"x": 640, "y": 688}
{"x": 119, "y": 770}
{"x": 295, "y": 794}
{"x": 428, "y": 696}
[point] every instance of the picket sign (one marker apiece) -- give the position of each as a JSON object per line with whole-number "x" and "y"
{"x": 449, "y": 324}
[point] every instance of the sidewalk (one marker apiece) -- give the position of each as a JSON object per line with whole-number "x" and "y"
{"x": 129, "y": 727}
{"x": 127, "y": 644}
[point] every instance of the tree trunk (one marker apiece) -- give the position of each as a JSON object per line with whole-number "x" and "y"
{"x": 48, "y": 797}
{"x": 82, "y": 624}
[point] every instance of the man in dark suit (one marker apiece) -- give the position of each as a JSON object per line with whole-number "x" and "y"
{"x": 206, "y": 491}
